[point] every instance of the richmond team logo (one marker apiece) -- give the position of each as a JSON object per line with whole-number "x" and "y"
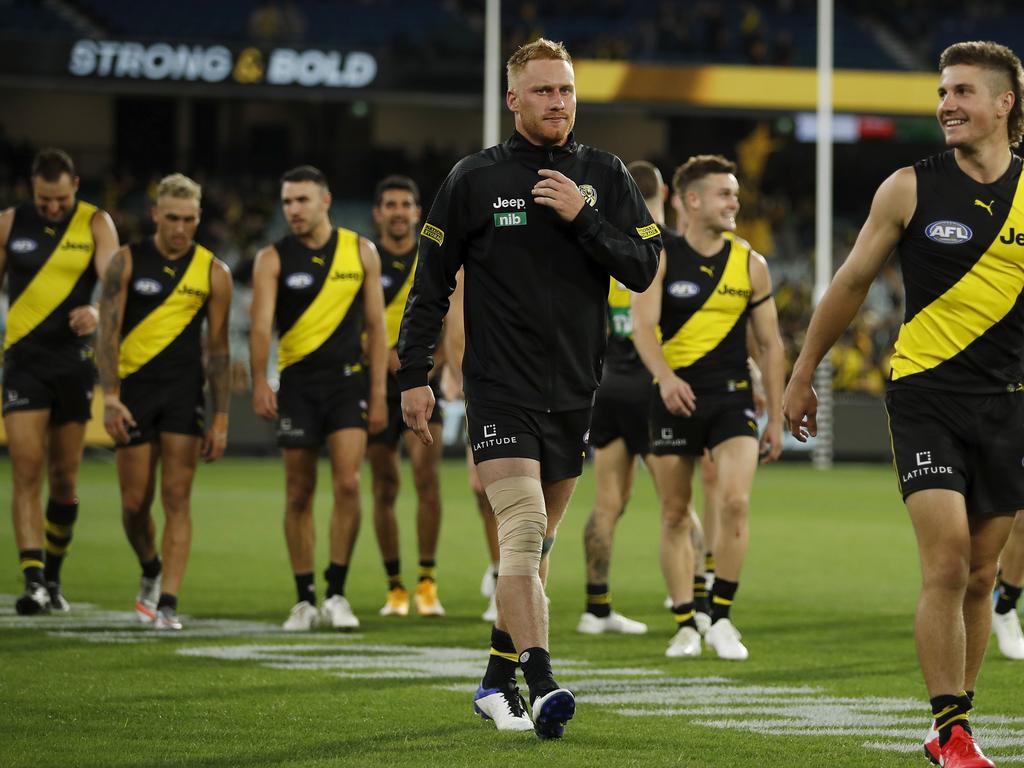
{"x": 948, "y": 232}
{"x": 589, "y": 194}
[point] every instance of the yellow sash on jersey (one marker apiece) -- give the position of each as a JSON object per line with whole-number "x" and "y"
{"x": 165, "y": 323}
{"x": 978, "y": 301}
{"x": 56, "y": 279}
{"x": 706, "y": 327}
{"x": 619, "y": 296}
{"x": 393, "y": 312}
{"x": 619, "y": 301}
{"x": 325, "y": 313}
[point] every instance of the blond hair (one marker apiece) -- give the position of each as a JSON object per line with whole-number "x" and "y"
{"x": 999, "y": 59}
{"x": 541, "y": 48}
{"x": 179, "y": 185}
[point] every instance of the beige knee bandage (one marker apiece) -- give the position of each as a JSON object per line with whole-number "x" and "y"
{"x": 518, "y": 504}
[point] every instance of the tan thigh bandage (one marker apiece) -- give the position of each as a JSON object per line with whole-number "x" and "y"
{"x": 518, "y": 504}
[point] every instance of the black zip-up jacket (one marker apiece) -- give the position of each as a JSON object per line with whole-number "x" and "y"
{"x": 536, "y": 289}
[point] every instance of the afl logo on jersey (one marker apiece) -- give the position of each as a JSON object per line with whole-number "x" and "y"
{"x": 386, "y": 281}
{"x": 147, "y": 287}
{"x": 23, "y": 245}
{"x": 948, "y": 232}
{"x": 299, "y": 280}
{"x": 683, "y": 289}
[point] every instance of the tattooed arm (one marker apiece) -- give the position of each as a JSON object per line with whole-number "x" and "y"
{"x": 218, "y": 366}
{"x": 116, "y": 416}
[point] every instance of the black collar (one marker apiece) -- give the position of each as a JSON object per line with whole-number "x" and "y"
{"x": 518, "y": 145}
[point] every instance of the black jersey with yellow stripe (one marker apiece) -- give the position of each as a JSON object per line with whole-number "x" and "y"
{"x": 51, "y": 271}
{"x": 396, "y": 275}
{"x": 161, "y": 335}
{"x": 705, "y": 303}
{"x": 620, "y": 356}
{"x": 962, "y": 256}
{"x": 319, "y": 309}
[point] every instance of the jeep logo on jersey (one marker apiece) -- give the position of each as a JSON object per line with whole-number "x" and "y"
{"x": 147, "y": 286}
{"x": 23, "y": 245}
{"x": 948, "y": 232}
{"x": 683, "y": 289}
{"x": 1011, "y": 237}
{"x": 299, "y": 280}
{"x": 501, "y": 202}
{"x": 589, "y": 194}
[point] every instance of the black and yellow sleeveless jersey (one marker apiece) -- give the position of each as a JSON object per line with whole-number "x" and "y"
{"x": 396, "y": 275}
{"x": 50, "y": 271}
{"x": 704, "y": 309}
{"x": 620, "y": 356}
{"x": 164, "y": 313}
{"x": 962, "y": 256}
{"x": 320, "y": 304}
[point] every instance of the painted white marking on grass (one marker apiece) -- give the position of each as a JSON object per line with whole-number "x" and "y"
{"x": 891, "y": 724}
{"x": 91, "y": 624}
{"x": 362, "y": 661}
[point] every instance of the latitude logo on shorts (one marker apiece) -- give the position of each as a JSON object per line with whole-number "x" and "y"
{"x": 491, "y": 439}
{"x": 925, "y": 467}
{"x": 668, "y": 439}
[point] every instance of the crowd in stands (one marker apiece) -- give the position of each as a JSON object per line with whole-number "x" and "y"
{"x": 754, "y": 32}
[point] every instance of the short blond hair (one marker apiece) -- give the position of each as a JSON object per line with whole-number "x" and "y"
{"x": 179, "y": 185}
{"x": 541, "y": 48}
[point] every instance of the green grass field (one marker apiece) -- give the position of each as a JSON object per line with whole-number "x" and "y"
{"x": 825, "y": 606}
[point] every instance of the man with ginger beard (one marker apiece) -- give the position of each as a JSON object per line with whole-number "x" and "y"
{"x": 540, "y": 223}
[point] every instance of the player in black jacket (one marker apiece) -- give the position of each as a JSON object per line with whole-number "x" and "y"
{"x": 539, "y": 224}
